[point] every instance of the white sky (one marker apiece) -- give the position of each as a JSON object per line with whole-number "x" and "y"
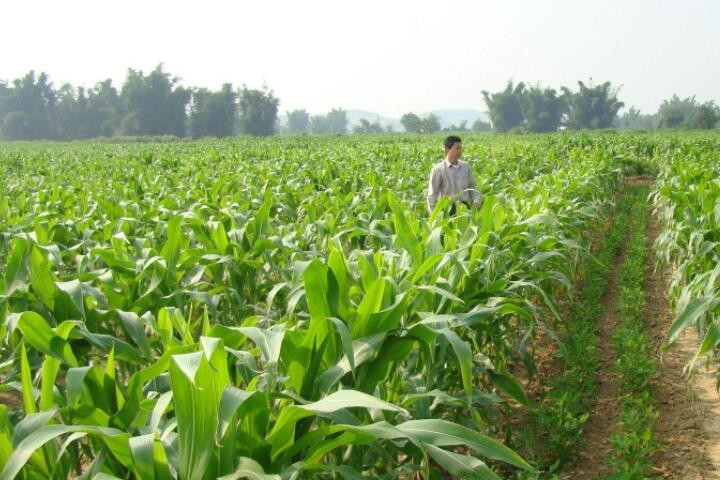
{"x": 389, "y": 57}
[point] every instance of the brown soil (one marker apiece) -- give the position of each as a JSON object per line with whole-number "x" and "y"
{"x": 548, "y": 364}
{"x": 679, "y": 424}
{"x": 707, "y": 409}
{"x": 639, "y": 181}
{"x": 605, "y": 411}
{"x": 12, "y": 398}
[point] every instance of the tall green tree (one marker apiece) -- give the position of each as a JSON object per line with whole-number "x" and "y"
{"x": 634, "y": 119}
{"x": 430, "y": 124}
{"x": 213, "y": 113}
{"x": 105, "y": 109}
{"x": 415, "y": 124}
{"x": 4, "y": 91}
{"x": 543, "y": 109}
{"x": 27, "y": 108}
{"x": 480, "y": 125}
{"x": 411, "y": 123}
{"x": 506, "y": 107}
{"x": 677, "y": 112}
{"x": 367, "y": 127}
{"x": 298, "y": 121}
{"x": 258, "y": 112}
{"x": 687, "y": 112}
{"x": 154, "y": 104}
{"x": 461, "y": 127}
{"x": 592, "y": 107}
{"x": 707, "y": 116}
{"x": 335, "y": 121}
{"x": 72, "y": 115}
{"x": 319, "y": 124}
{"x": 66, "y": 113}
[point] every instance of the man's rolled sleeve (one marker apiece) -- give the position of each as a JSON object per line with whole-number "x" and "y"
{"x": 433, "y": 189}
{"x": 474, "y": 194}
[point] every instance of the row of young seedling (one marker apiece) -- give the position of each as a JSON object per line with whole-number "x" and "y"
{"x": 633, "y": 442}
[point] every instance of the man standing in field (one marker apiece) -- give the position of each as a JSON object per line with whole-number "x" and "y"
{"x": 452, "y": 178}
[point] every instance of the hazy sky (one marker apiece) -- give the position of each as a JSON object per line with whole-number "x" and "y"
{"x": 388, "y": 57}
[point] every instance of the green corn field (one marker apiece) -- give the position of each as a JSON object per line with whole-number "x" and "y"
{"x": 285, "y": 308}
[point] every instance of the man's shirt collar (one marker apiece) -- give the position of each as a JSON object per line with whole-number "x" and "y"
{"x": 450, "y": 165}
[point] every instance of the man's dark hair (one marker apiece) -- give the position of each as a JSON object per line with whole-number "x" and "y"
{"x": 450, "y": 141}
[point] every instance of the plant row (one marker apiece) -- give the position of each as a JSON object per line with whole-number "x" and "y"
{"x": 687, "y": 199}
{"x": 634, "y": 442}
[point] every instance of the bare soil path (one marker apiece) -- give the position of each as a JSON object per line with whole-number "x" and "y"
{"x": 708, "y": 403}
{"x": 606, "y": 409}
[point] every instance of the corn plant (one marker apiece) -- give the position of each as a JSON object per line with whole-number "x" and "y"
{"x": 687, "y": 198}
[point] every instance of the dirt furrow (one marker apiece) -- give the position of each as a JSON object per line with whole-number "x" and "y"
{"x": 679, "y": 425}
{"x": 605, "y": 412}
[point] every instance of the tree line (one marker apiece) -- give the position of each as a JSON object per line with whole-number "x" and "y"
{"x": 300, "y": 121}
{"x": 675, "y": 112}
{"x": 153, "y": 104}
{"x": 536, "y": 109}
{"x": 430, "y": 123}
{"x": 520, "y": 107}
{"x": 525, "y": 108}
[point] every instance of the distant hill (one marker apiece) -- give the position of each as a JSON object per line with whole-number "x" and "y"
{"x": 354, "y": 117}
{"x": 447, "y": 118}
{"x": 455, "y": 117}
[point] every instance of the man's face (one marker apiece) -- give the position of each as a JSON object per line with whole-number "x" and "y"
{"x": 454, "y": 152}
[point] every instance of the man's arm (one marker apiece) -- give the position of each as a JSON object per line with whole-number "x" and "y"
{"x": 434, "y": 189}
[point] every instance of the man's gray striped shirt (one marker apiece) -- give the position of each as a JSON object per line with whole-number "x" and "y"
{"x": 455, "y": 181}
